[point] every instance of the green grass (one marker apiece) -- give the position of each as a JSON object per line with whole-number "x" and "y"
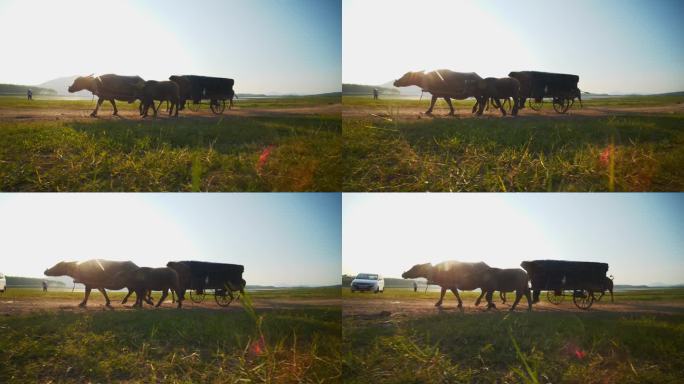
{"x": 172, "y": 155}
{"x": 481, "y": 348}
{"x": 617, "y": 153}
{"x": 174, "y": 346}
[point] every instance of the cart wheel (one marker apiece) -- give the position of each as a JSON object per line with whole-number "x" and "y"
{"x": 536, "y": 104}
{"x": 218, "y": 106}
{"x": 223, "y": 299}
{"x": 555, "y": 297}
{"x": 197, "y": 296}
{"x": 582, "y": 298}
{"x": 561, "y": 104}
{"x": 193, "y": 106}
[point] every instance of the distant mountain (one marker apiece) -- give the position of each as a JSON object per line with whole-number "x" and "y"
{"x": 31, "y": 282}
{"x": 61, "y": 85}
{"x": 14, "y": 89}
{"x": 360, "y": 89}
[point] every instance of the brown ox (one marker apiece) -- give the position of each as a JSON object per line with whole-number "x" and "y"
{"x": 109, "y": 87}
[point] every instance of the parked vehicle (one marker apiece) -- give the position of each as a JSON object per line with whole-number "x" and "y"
{"x": 3, "y": 283}
{"x": 371, "y": 282}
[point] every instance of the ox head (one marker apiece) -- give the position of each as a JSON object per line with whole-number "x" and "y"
{"x": 81, "y": 83}
{"x": 418, "y": 270}
{"x": 410, "y": 78}
{"x": 63, "y": 268}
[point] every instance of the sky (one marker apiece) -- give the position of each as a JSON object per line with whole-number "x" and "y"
{"x": 267, "y": 46}
{"x": 615, "y": 46}
{"x": 638, "y": 234}
{"x": 282, "y": 239}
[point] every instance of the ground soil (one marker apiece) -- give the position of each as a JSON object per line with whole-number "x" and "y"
{"x": 10, "y": 307}
{"x": 369, "y": 308}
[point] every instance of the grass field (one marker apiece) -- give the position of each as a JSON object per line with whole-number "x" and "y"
{"x": 389, "y": 147}
{"x": 268, "y": 152}
{"x": 520, "y": 347}
{"x": 169, "y": 345}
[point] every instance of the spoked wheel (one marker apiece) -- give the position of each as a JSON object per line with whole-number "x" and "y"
{"x": 561, "y": 104}
{"x": 197, "y": 296}
{"x": 582, "y": 298}
{"x": 218, "y": 106}
{"x": 536, "y": 104}
{"x": 193, "y": 106}
{"x": 555, "y": 297}
{"x": 224, "y": 298}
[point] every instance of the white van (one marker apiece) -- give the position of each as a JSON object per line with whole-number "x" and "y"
{"x": 368, "y": 282}
{"x": 3, "y": 283}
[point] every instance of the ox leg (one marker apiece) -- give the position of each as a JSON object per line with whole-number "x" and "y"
{"x": 482, "y": 101}
{"x": 181, "y": 297}
{"x": 432, "y": 105}
{"x": 477, "y": 302}
{"x": 535, "y": 297}
{"x": 116, "y": 111}
{"x": 441, "y": 297}
{"x": 458, "y": 297}
{"x": 147, "y": 297}
{"x": 502, "y": 294}
{"x": 85, "y": 299}
{"x": 125, "y": 299}
{"x": 516, "y": 106}
{"x": 489, "y": 298}
{"x": 165, "y": 293}
{"x": 529, "y": 299}
{"x": 499, "y": 105}
{"x": 97, "y": 107}
{"x": 451, "y": 107}
{"x": 104, "y": 293}
{"x": 518, "y": 296}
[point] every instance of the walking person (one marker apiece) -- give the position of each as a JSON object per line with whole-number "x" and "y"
{"x": 375, "y": 93}
{"x": 29, "y": 94}
{"x": 44, "y": 286}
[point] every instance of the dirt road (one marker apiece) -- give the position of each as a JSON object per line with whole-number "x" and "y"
{"x": 379, "y": 307}
{"x": 50, "y": 114}
{"x": 417, "y": 113}
{"x": 13, "y": 307}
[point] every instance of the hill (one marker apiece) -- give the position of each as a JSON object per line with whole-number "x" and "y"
{"x": 32, "y": 282}
{"x": 14, "y": 89}
{"x": 360, "y": 89}
{"x": 61, "y": 84}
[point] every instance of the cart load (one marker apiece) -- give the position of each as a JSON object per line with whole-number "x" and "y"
{"x": 560, "y": 87}
{"x": 215, "y": 89}
{"x": 201, "y": 278}
{"x": 557, "y": 276}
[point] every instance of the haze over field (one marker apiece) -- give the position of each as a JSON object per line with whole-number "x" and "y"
{"x": 268, "y": 46}
{"x": 283, "y": 239}
{"x": 638, "y": 235}
{"x": 615, "y": 46}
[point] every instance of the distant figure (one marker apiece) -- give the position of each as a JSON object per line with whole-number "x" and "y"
{"x": 29, "y": 94}
{"x": 415, "y": 286}
{"x": 44, "y": 282}
{"x": 375, "y": 93}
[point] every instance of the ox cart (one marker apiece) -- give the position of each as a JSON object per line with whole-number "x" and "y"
{"x": 223, "y": 281}
{"x": 560, "y": 279}
{"x": 214, "y": 89}
{"x": 535, "y": 86}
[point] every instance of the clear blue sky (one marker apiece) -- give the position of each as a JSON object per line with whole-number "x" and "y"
{"x": 638, "y": 234}
{"x": 615, "y": 46}
{"x": 281, "y": 238}
{"x": 266, "y": 45}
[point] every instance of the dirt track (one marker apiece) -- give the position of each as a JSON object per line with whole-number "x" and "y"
{"x": 10, "y": 307}
{"x": 417, "y": 113}
{"x": 50, "y": 114}
{"x": 369, "y": 308}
